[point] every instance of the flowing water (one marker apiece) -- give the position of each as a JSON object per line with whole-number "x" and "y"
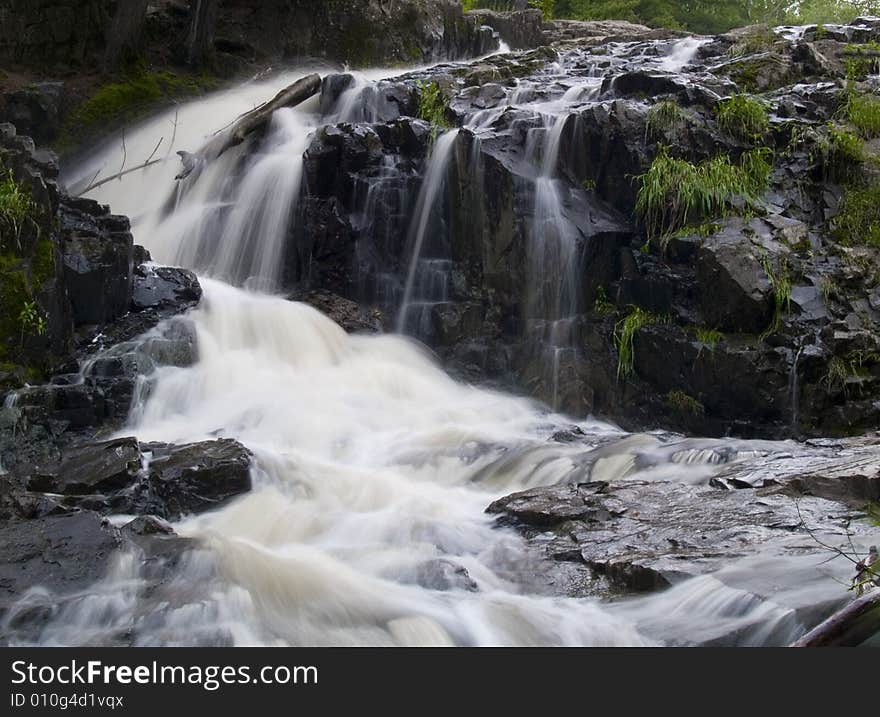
{"x": 373, "y": 467}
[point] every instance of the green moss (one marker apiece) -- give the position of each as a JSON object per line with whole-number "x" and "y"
{"x": 743, "y": 117}
{"x": 681, "y": 403}
{"x": 624, "y": 338}
{"x": 858, "y": 223}
{"x": 128, "y": 99}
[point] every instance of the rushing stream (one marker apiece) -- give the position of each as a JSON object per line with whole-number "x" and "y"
{"x": 374, "y": 468}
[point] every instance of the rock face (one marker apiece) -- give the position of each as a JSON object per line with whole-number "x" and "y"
{"x": 761, "y": 320}
{"x": 55, "y": 534}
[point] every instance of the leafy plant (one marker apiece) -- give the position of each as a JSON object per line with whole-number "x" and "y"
{"x": 743, "y": 117}
{"x": 17, "y": 206}
{"x": 624, "y": 338}
{"x": 675, "y": 191}
{"x": 433, "y": 105}
{"x": 31, "y": 320}
{"x": 546, "y": 7}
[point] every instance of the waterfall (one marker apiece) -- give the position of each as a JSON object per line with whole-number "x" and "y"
{"x": 373, "y": 470}
{"x": 426, "y": 206}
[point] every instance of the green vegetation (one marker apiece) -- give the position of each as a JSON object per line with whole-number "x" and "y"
{"x": 843, "y": 370}
{"x": 842, "y": 154}
{"x": 758, "y": 39}
{"x": 31, "y": 320}
{"x": 743, "y": 117}
{"x": 675, "y": 192}
{"x": 433, "y": 106}
{"x": 858, "y": 223}
{"x": 682, "y": 403}
{"x": 862, "y": 60}
{"x": 710, "y": 338}
{"x": 863, "y": 111}
{"x": 665, "y": 120}
{"x": 128, "y": 99}
{"x": 702, "y": 16}
{"x": 602, "y": 305}
{"x": 624, "y": 338}
{"x": 547, "y": 7}
{"x": 17, "y": 209}
{"x": 781, "y": 283}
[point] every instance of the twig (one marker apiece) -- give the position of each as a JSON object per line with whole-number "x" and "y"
{"x": 174, "y": 124}
{"x": 153, "y": 153}
{"x": 813, "y": 536}
{"x": 119, "y": 175}
{"x": 124, "y": 153}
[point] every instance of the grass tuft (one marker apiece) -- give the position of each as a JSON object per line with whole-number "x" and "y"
{"x": 624, "y": 338}
{"x": 863, "y": 111}
{"x": 743, "y": 118}
{"x": 842, "y": 154}
{"x": 665, "y": 120}
{"x": 17, "y": 208}
{"x": 858, "y": 223}
{"x": 433, "y": 106}
{"x": 781, "y": 283}
{"x": 675, "y": 193}
{"x": 682, "y": 403}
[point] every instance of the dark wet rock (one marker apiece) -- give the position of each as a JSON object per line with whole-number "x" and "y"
{"x": 444, "y": 575}
{"x": 59, "y": 553}
{"x": 523, "y": 30}
{"x": 36, "y": 110}
{"x": 197, "y": 477}
{"x": 351, "y": 316}
{"x": 648, "y": 535}
{"x": 99, "y": 468}
{"x": 161, "y": 288}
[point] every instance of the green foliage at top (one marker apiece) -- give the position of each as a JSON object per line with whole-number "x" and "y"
{"x": 546, "y": 7}
{"x": 743, "y": 117}
{"x": 17, "y": 208}
{"x": 624, "y": 338}
{"x": 760, "y": 38}
{"x": 863, "y": 112}
{"x": 433, "y": 105}
{"x": 128, "y": 99}
{"x": 675, "y": 192}
{"x": 858, "y": 223}
{"x": 665, "y": 119}
{"x": 812, "y": 12}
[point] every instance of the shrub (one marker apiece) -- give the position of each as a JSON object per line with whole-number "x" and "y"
{"x": 433, "y": 105}
{"x": 743, "y": 117}
{"x": 17, "y": 207}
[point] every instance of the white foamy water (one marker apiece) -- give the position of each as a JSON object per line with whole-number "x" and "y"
{"x": 373, "y": 467}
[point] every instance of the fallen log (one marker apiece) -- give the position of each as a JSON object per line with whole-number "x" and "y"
{"x": 849, "y": 626}
{"x": 291, "y": 96}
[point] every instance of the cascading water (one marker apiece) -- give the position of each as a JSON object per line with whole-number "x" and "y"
{"x": 427, "y": 278}
{"x": 366, "y": 523}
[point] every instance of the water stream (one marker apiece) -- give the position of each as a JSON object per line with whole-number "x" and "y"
{"x": 374, "y": 468}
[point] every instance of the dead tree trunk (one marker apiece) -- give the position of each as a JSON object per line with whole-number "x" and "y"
{"x": 124, "y": 32}
{"x": 852, "y": 625}
{"x": 200, "y": 37}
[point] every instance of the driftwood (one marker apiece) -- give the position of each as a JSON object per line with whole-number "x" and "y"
{"x": 851, "y": 625}
{"x": 295, "y": 94}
